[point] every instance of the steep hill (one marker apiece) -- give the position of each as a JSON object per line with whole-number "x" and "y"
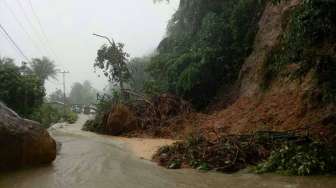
{"x": 287, "y": 81}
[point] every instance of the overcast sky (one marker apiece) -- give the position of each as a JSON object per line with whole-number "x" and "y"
{"x": 68, "y": 26}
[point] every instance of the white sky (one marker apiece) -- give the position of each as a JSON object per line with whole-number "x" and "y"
{"x": 69, "y": 25}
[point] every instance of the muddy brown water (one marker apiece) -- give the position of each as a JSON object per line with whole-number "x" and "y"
{"x": 91, "y": 161}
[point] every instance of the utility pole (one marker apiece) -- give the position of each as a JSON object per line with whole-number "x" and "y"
{"x": 64, "y": 96}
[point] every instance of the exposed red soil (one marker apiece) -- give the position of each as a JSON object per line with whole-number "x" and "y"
{"x": 284, "y": 106}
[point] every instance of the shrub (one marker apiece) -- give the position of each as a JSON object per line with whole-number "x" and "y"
{"x": 225, "y": 154}
{"x": 46, "y": 115}
{"x": 70, "y": 117}
{"x": 300, "y": 159}
{"x": 22, "y": 93}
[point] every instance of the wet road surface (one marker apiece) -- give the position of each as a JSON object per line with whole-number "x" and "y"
{"x": 87, "y": 160}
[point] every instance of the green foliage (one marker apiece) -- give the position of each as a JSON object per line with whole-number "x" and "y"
{"x": 70, "y": 116}
{"x": 307, "y": 43}
{"x": 22, "y": 93}
{"x": 46, "y": 115}
{"x": 307, "y": 159}
{"x": 112, "y": 60}
{"x": 49, "y": 114}
{"x": 226, "y": 154}
{"x": 104, "y": 105}
{"x": 206, "y": 45}
{"x": 43, "y": 68}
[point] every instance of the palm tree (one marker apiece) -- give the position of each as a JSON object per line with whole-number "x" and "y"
{"x": 43, "y": 68}
{"x": 6, "y": 61}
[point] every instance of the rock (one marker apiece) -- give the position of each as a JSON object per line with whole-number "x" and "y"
{"x": 23, "y": 142}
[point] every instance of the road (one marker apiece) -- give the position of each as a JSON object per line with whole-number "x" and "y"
{"x": 87, "y": 160}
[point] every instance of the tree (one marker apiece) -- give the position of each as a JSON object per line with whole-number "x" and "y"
{"x": 89, "y": 93}
{"x": 6, "y": 61}
{"x": 43, "y": 68}
{"x": 139, "y": 76}
{"x": 82, "y": 93}
{"x": 22, "y": 93}
{"x": 56, "y": 96}
{"x": 112, "y": 60}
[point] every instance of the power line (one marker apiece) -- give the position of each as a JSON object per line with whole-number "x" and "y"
{"x": 13, "y": 42}
{"x": 22, "y": 27}
{"x": 32, "y": 25}
{"x": 42, "y": 29}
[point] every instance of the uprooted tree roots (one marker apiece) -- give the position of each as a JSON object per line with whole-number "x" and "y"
{"x": 160, "y": 110}
{"x": 156, "y": 117}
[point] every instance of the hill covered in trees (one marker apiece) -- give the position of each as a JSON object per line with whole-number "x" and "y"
{"x": 237, "y": 67}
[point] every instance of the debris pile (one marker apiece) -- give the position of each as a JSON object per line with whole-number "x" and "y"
{"x": 226, "y": 153}
{"x": 165, "y": 116}
{"x": 160, "y": 110}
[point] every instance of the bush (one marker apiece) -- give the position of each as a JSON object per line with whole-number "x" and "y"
{"x": 104, "y": 105}
{"x": 225, "y": 154}
{"x": 22, "y": 93}
{"x": 46, "y": 115}
{"x": 301, "y": 159}
{"x": 70, "y": 117}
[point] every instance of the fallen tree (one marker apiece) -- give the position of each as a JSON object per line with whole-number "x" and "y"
{"x": 160, "y": 116}
{"x": 294, "y": 153}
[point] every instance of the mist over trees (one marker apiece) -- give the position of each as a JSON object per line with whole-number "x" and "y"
{"x": 83, "y": 93}
{"x": 56, "y": 96}
{"x": 44, "y": 68}
{"x": 139, "y": 76}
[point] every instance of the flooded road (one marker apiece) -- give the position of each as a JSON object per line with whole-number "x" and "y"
{"x": 87, "y": 160}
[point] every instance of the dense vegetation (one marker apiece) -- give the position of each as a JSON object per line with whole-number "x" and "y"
{"x": 21, "y": 92}
{"x": 22, "y": 89}
{"x": 48, "y": 114}
{"x": 306, "y": 42}
{"x": 301, "y": 159}
{"x": 201, "y": 57}
{"x": 205, "y": 46}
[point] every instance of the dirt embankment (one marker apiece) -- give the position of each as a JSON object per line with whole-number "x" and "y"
{"x": 284, "y": 106}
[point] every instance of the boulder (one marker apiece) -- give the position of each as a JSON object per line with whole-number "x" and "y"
{"x": 23, "y": 142}
{"x": 120, "y": 119}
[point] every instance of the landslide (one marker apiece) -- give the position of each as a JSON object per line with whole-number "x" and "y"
{"x": 286, "y": 82}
